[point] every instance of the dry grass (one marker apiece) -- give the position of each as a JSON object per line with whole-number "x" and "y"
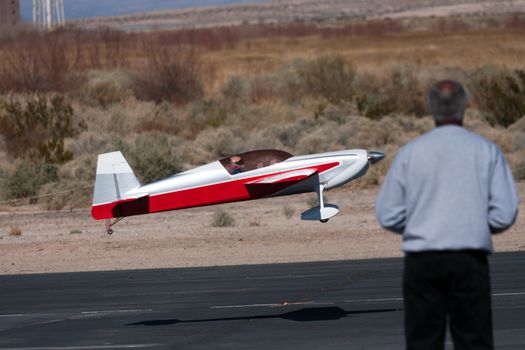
{"x": 468, "y": 50}
{"x": 288, "y": 211}
{"x": 15, "y": 231}
{"x": 221, "y": 218}
{"x": 250, "y": 89}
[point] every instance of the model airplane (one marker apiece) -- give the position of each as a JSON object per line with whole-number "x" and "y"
{"x": 246, "y": 176}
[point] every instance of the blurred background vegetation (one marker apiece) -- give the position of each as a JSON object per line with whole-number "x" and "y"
{"x": 171, "y": 100}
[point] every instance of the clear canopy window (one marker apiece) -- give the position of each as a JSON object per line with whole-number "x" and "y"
{"x": 252, "y": 160}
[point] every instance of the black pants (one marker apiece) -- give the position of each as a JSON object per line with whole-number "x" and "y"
{"x": 447, "y": 284}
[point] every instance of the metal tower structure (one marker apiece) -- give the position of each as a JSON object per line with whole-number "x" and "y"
{"x": 48, "y": 14}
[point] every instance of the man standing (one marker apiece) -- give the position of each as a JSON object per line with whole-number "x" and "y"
{"x": 446, "y": 192}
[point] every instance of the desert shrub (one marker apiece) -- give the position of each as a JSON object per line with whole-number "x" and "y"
{"x": 519, "y": 171}
{"x": 73, "y": 188}
{"x": 105, "y": 94}
{"x": 338, "y": 114}
{"x": 172, "y": 76}
{"x": 90, "y": 143}
{"x": 289, "y": 135}
{"x": 288, "y": 211}
{"x": 39, "y": 126}
{"x": 234, "y": 88}
{"x": 27, "y": 178}
{"x": 399, "y": 92}
{"x": 222, "y": 142}
{"x": 163, "y": 118}
{"x": 288, "y": 82}
{"x": 68, "y": 194}
{"x": 15, "y": 231}
{"x": 321, "y": 139}
{"x": 261, "y": 89}
{"x": 222, "y": 218}
{"x": 207, "y": 113}
{"x": 255, "y": 222}
{"x": 329, "y": 77}
{"x": 35, "y": 62}
{"x": 499, "y": 93}
{"x": 151, "y": 156}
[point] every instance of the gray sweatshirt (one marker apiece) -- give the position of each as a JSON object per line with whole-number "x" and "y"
{"x": 449, "y": 189}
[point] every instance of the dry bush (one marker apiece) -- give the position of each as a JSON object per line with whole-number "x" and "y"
{"x": 255, "y": 222}
{"x": 519, "y": 171}
{"x": 89, "y": 143}
{"x": 27, "y": 178}
{"x": 291, "y": 134}
{"x": 234, "y": 89}
{"x": 163, "y": 118}
{"x": 321, "y": 139}
{"x": 262, "y": 89}
{"x": 329, "y": 77}
{"x": 73, "y": 188}
{"x": 40, "y": 126}
{"x": 221, "y": 218}
{"x": 151, "y": 156}
{"x": 207, "y": 113}
{"x": 15, "y": 231}
{"x": 288, "y": 211}
{"x": 34, "y": 62}
{"x": 516, "y": 22}
{"x": 106, "y": 94}
{"x": 67, "y": 194}
{"x": 399, "y": 91}
{"x": 222, "y": 142}
{"x": 171, "y": 75}
{"x": 499, "y": 92}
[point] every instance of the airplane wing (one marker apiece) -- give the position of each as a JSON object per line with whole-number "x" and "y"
{"x": 290, "y": 176}
{"x": 272, "y": 184}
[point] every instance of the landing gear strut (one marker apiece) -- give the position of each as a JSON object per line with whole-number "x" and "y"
{"x": 110, "y": 224}
{"x": 323, "y": 212}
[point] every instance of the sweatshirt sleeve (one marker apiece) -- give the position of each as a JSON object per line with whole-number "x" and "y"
{"x": 503, "y": 196}
{"x": 390, "y": 204}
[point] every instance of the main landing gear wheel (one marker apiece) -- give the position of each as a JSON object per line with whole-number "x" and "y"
{"x": 324, "y": 221}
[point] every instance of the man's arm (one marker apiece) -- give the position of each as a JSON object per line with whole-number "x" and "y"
{"x": 503, "y": 197}
{"x": 390, "y": 203}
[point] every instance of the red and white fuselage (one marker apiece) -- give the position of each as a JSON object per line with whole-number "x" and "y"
{"x": 266, "y": 173}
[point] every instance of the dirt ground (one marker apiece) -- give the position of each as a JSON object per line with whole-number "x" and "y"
{"x": 72, "y": 241}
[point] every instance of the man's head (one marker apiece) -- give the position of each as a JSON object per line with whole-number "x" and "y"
{"x": 235, "y": 160}
{"x": 447, "y": 101}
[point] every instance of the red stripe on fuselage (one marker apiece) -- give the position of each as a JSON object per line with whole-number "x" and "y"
{"x": 230, "y": 191}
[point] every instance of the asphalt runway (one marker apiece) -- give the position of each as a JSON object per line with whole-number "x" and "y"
{"x": 318, "y": 305}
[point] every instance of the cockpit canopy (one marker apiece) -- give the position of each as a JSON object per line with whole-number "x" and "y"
{"x": 253, "y": 160}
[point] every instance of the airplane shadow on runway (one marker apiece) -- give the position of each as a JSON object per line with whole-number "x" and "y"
{"x": 303, "y": 315}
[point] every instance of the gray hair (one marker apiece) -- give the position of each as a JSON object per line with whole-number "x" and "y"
{"x": 447, "y": 99}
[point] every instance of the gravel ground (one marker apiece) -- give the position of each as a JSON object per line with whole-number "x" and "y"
{"x": 68, "y": 241}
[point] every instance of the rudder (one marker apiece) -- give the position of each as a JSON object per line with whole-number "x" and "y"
{"x": 113, "y": 179}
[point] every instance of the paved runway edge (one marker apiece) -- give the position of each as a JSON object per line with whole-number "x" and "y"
{"x": 313, "y": 305}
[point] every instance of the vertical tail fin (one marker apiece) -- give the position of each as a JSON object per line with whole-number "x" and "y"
{"x": 114, "y": 178}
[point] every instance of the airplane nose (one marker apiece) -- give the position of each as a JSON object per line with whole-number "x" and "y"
{"x": 374, "y": 157}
